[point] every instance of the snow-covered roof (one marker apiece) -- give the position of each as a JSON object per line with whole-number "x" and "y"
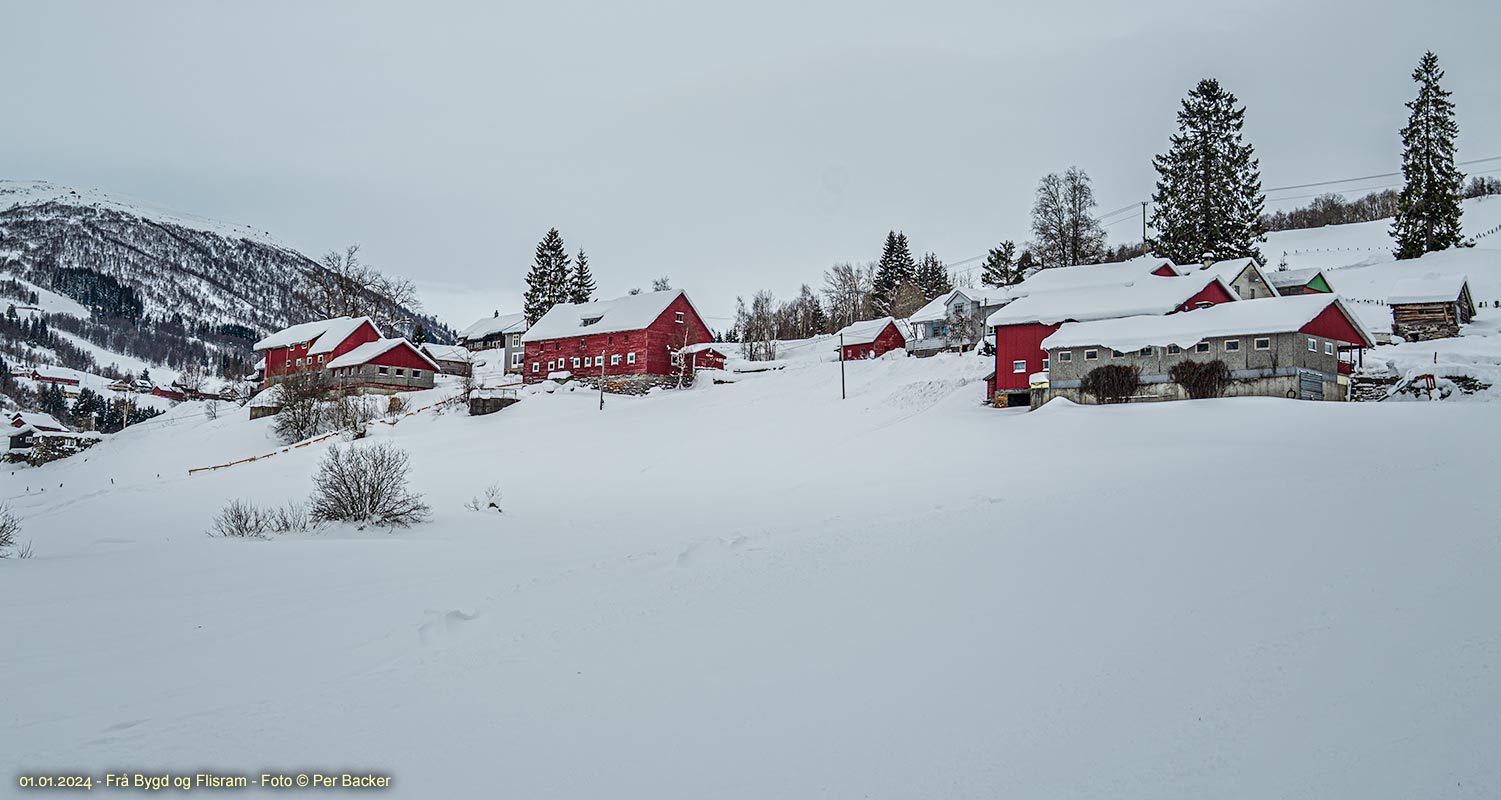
{"x": 629, "y": 313}
{"x": 36, "y": 420}
{"x": 1231, "y": 268}
{"x": 445, "y": 352}
{"x": 701, "y": 347}
{"x": 937, "y": 309}
{"x": 1283, "y": 278}
{"x": 1188, "y": 328}
{"x": 369, "y": 350}
{"x": 325, "y": 334}
{"x": 55, "y": 373}
{"x": 267, "y": 398}
{"x": 863, "y": 332}
{"x": 1430, "y": 288}
{"x": 1149, "y": 295}
{"x": 1083, "y": 276}
{"x": 492, "y": 325}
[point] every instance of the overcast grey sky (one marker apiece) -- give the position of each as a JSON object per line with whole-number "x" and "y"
{"x": 732, "y": 147}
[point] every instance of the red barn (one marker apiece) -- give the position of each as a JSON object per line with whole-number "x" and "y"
{"x": 870, "y": 338}
{"x": 384, "y": 364}
{"x": 52, "y": 375}
{"x": 702, "y": 356}
{"x": 637, "y": 335}
{"x": 1021, "y": 325}
{"x": 312, "y": 345}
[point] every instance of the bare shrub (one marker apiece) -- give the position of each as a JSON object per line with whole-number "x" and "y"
{"x": 352, "y": 413}
{"x": 1112, "y": 383}
{"x": 303, "y": 413}
{"x": 1201, "y": 380}
{"x": 293, "y": 517}
{"x": 492, "y": 500}
{"x": 241, "y": 519}
{"x": 367, "y": 485}
{"x": 211, "y": 409}
{"x": 10, "y": 525}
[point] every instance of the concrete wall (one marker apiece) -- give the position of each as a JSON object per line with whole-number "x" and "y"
{"x": 1286, "y": 350}
{"x": 370, "y": 377}
{"x": 1279, "y": 385}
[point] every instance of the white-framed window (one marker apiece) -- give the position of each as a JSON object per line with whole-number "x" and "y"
{"x": 1045, "y": 365}
{"x": 289, "y": 362}
{"x": 299, "y": 362}
{"x": 416, "y": 373}
{"x": 1066, "y": 355}
{"x": 615, "y": 360}
{"x": 1328, "y": 348}
{"x": 516, "y": 359}
{"x": 680, "y": 317}
{"x": 1145, "y": 351}
{"x": 536, "y": 366}
{"x": 1091, "y": 355}
{"x": 1262, "y": 343}
{"x": 515, "y": 340}
{"x": 550, "y": 366}
{"x": 630, "y": 358}
{"x": 677, "y": 358}
{"x": 381, "y": 370}
{"x": 1201, "y": 347}
{"x": 1232, "y": 345}
{"x": 1018, "y": 366}
{"x": 320, "y": 359}
{"x": 1173, "y": 349}
{"x": 401, "y": 373}
{"x": 1117, "y": 354}
{"x": 1313, "y": 345}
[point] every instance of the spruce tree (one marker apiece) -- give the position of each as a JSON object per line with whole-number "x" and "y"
{"x": 1208, "y": 200}
{"x": 1000, "y": 266}
{"x": 895, "y": 268}
{"x": 419, "y": 335}
{"x": 547, "y": 282}
{"x": 581, "y": 287}
{"x": 1428, "y": 209}
{"x": 932, "y": 279}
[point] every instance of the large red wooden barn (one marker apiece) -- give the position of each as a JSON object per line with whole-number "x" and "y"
{"x": 353, "y": 352}
{"x": 636, "y": 335}
{"x": 1021, "y": 325}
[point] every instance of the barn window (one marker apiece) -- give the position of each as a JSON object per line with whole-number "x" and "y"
{"x": 1018, "y": 366}
{"x": 416, "y": 373}
{"x": 1044, "y": 365}
{"x": 680, "y": 317}
{"x": 320, "y": 359}
{"x": 1313, "y": 345}
{"x": 1232, "y": 345}
{"x": 382, "y": 370}
{"x": 549, "y": 366}
{"x": 615, "y": 360}
{"x": 289, "y": 362}
{"x": 630, "y": 358}
{"x": 299, "y": 362}
{"x": 1066, "y": 355}
{"x": 1091, "y": 355}
{"x": 574, "y": 362}
{"x": 536, "y": 366}
{"x": 1263, "y": 343}
{"x": 1201, "y": 347}
{"x": 401, "y": 372}
{"x": 1328, "y": 348}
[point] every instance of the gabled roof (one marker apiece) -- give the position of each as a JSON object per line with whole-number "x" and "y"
{"x": 1231, "y": 268}
{"x": 493, "y": 325}
{"x": 325, "y": 334}
{"x": 1430, "y": 288}
{"x": 445, "y": 352}
{"x": 938, "y": 308}
{"x": 630, "y": 313}
{"x": 864, "y": 332}
{"x": 1083, "y": 276}
{"x": 702, "y": 346}
{"x": 1149, "y": 295}
{"x": 371, "y": 350}
{"x": 35, "y": 420}
{"x": 1188, "y": 328}
{"x": 1288, "y": 278}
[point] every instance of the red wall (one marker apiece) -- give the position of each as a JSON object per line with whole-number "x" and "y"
{"x": 706, "y": 359}
{"x": 1213, "y": 294}
{"x": 889, "y": 339}
{"x": 277, "y": 357}
{"x": 1017, "y": 343}
{"x": 650, "y": 344}
{"x": 1331, "y": 323}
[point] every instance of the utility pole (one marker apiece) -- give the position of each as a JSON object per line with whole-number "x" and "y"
{"x": 1143, "y": 225}
{"x": 601, "y": 380}
{"x": 842, "y": 394}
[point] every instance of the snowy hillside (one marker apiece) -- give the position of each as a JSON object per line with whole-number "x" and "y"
{"x": 758, "y": 590}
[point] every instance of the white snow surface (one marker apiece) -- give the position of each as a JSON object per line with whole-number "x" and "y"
{"x": 737, "y": 592}
{"x": 1115, "y": 273}
{"x": 491, "y": 325}
{"x": 1430, "y": 288}
{"x": 325, "y": 334}
{"x": 1188, "y": 328}
{"x": 1152, "y": 294}
{"x": 28, "y": 193}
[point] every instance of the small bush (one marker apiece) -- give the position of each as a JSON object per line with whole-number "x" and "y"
{"x": 1202, "y": 380}
{"x": 10, "y": 525}
{"x": 366, "y": 485}
{"x": 304, "y": 414}
{"x": 394, "y": 407}
{"x": 241, "y": 519}
{"x": 1113, "y": 383}
{"x": 492, "y": 500}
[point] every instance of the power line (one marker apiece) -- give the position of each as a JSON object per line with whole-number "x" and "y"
{"x": 1371, "y": 177}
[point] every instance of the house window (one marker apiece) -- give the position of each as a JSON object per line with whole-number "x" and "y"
{"x": 1018, "y": 366}
{"x": 1328, "y": 348}
{"x": 536, "y": 366}
{"x": 1173, "y": 349}
{"x": 1117, "y": 354}
{"x": 1091, "y": 355}
{"x": 1203, "y": 304}
{"x": 574, "y": 362}
{"x": 299, "y": 362}
{"x": 550, "y": 366}
{"x": 401, "y": 372}
{"x": 515, "y": 340}
{"x": 599, "y": 361}
{"x": 1045, "y": 365}
{"x": 1313, "y": 345}
{"x": 516, "y": 359}
{"x": 320, "y": 359}
{"x": 289, "y": 362}
{"x": 1263, "y": 343}
{"x": 416, "y": 373}
{"x": 1145, "y": 351}
{"x": 381, "y": 370}
{"x": 1066, "y": 355}
{"x": 1232, "y": 345}
{"x": 677, "y": 358}
{"x": 630, "y": 358}
{"x": 615, "y": 360}
{"x": 680, "y": 316}
{"x": 1201, "y": 347}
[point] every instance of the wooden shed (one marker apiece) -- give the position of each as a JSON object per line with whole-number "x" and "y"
{"x": 1431, "y": 307}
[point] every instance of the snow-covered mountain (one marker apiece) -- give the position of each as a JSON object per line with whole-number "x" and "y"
{"x": 204, "y": 287}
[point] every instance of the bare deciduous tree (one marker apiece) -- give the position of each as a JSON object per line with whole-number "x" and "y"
{"x": 303, "y": 413}
{"x": 847, "y": 293}
{"x": 10, "y": 525}
{"x": 368, "y": 485}
{"x": 756, "y": 326}
{"x": 1063, "y": 229}
{"x": 345, "y": 286}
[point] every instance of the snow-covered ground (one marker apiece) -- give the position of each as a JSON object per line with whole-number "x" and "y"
{"x": 759, "y": 590}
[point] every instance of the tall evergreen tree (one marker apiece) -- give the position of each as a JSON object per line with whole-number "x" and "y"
{"x": 1000, "y": 266}
{"x": 547, "y": 282}
{"x": 1428, "y": 209}
{"x": 1208, "y": 200}
{"x": 931, "y": 277}
{"x": 581, "y": 287}
{"x": 895, "y": 268}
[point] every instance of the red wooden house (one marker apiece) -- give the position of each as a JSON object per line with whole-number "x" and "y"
{"x": 53, "y": 375}
{"x": 1021, "y": 325}
{"x": 702, "y": 356}
{"x": 870, "y": 338}
{"x": 636, "y": 335}
{"x": 312, "y": 345}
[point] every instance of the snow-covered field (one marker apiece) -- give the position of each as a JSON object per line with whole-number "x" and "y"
{"x": 759, "y": 590}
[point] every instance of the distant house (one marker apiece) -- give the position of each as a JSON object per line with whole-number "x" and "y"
{"x": 1296, "y": 347}
{"x": 451, "y": 359}
{"x": 1021, "y": 325}
{"x": 24, "y": 427}
{"x": 386, "y": 365}
{"x": 312, "y": 345}
{"x": 54, "y": 375}
{"x": 1245, "y": 276}
{"x": 702, "y": 356}
{"x": 871, "y": 338}
{"x": 1431, "y": 307}
{"x": 953, "y": 321}
{"x": 637, "y": 338}
{"x": 1299, "y": 281}
{"x": 498, "y": 332}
